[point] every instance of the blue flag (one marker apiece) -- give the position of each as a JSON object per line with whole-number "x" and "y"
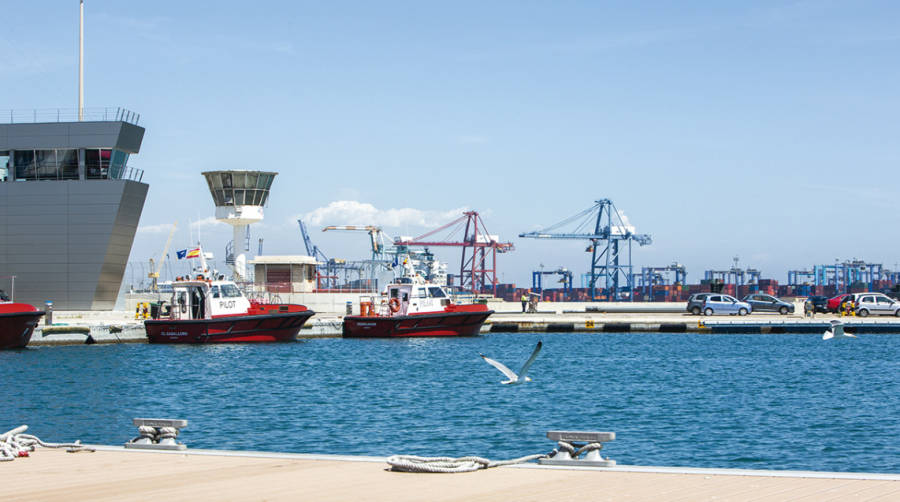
{"x": 181, "y": 254}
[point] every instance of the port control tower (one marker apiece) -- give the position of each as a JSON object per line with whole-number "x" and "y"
{"x": 239, "y": 197}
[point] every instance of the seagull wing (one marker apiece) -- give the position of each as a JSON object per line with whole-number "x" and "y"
{"x": 838, "y": 330}
{"x": 500, "y": 366}
{"x": 524, "y": 370}
{"x": 828, "y": 335}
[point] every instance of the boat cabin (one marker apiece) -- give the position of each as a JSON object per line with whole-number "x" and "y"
{"x": 408, "y": 295}
{"x": 201, "y": 299}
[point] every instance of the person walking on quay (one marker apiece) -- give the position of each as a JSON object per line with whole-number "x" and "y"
{"x": 524, "y": 301}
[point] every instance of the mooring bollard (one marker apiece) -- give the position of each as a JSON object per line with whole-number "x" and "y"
{"x": 571, "y": 444}
{"x": 157, "y": 434}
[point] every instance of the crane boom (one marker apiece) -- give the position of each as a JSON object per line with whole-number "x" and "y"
{"x": 374, "y": 234}
{"x": 154, "y": 274}
{"x": 166, "y": 249}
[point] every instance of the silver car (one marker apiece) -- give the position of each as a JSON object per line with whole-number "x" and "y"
{"x": 724, "y": 304}
{"x": 875, "y": 304}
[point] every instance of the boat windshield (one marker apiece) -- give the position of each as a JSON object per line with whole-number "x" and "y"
{"x": 436, "y": 292}
{"x": 230, "y": 291}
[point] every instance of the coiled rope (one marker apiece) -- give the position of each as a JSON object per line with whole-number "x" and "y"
{"x": 573, "y": 452}
{"x": 412, "y": 463}
{"x": 150, "y": 435}
{"x": 15, "y": 444}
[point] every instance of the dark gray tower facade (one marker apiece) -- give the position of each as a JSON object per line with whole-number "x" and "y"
{"x": 70, "y": 205}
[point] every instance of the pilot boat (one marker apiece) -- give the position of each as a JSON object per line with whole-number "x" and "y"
{"x": 411, "y": 306}
{"x": 17, "y": 323}
{"x": 208, "y": 311}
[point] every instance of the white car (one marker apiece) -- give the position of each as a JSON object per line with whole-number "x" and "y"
{"x": 724, "y": 304}
{"x": 875, "y": 304}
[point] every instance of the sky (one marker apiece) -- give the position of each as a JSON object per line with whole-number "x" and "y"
{"x": 764, "y": 130}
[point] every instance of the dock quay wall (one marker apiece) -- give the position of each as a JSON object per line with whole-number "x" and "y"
{"x": 121, "y": 327}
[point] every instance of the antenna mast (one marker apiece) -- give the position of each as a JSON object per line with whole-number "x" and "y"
{"x": 81, "y": 63}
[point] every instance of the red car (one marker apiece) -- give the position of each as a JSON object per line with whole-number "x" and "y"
{"x": 834, "y": 304}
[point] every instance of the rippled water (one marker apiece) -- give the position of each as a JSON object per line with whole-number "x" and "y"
{"x": 749, "y": 401}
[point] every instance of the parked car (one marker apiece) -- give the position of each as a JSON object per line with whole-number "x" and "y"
{"x": 875, "y": 304}
{"x": 834, "y": 303}
{"x": 724, "y": 304}
{"x": 695, "y": 302}
{"x": 819, "y": 303}
{"x": 768, "y": 303}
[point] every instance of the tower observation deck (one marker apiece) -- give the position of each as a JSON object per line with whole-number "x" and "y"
{"x": 70, "y": 204}
{"x": 239, "y": 197}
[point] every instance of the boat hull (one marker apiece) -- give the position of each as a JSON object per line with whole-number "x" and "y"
{"x": 16, "y": 328}
{"x": 462, "y": 323}
{"x": 231, "y": 329}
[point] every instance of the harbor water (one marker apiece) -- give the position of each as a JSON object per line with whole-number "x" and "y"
{"x": 731, "y": 401}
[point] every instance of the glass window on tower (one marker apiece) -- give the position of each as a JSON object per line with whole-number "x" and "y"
{"x": 96, "y": 163}
{"x": 117, "y": 162}
{"x": 4, "y": 166}
{"x": 68, "y": 164}
{"x": 45, "y": 164}
{"x": 24, "y": 162}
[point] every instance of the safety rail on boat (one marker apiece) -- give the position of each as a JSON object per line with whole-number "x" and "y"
{"x": 45, "y": 115}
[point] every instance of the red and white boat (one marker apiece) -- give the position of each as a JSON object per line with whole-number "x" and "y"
{"x": 411, "y": 306}
{"x": 206, "y": 311}
{"x": 17, "y": 323}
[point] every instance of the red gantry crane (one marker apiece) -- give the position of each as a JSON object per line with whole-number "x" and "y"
{"x": 478, "y": 268}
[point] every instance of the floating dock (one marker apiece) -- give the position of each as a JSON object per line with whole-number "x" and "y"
{"x": 116, "y": 474}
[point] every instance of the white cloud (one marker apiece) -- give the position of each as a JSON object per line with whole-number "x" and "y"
{"x": 164, "y": 228}
{"x": 155, "y": 229}
{"x": 209, "y": 221}
{"x": 351, "y": 212}
{"x": 623, "y": 229}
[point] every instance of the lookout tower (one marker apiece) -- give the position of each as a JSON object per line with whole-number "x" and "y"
{"x": 239, "y": 197}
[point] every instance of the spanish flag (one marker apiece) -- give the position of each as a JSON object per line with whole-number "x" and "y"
{"x": 193, "y": 253}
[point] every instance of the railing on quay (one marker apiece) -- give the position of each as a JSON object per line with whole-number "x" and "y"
{"x": 44, "y": 115}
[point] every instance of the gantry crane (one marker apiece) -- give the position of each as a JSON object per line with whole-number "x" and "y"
{"x": 478, "y": 267}
{"x": 155, "y": 271}
{"x": 736, "y": 276}
{"x": 660, "y": 276}
{"x": 609, "y": 230}
{"x": 565, "y": 278}
{"x": 327, "y": 268}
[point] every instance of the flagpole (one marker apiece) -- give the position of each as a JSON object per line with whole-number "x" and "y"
{"x": 81, "y": 62}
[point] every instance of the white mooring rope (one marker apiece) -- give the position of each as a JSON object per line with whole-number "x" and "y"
{"x": 15, "y": 444}
{"x": 412, "y": 463}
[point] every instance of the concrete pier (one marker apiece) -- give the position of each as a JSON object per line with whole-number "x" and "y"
{"x": 113, "y": 473}
{"x": 120, "y": 327}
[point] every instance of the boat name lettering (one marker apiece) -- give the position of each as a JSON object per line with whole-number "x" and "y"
{"x": 174, "y": 333}
{"x": 365, "y": 324}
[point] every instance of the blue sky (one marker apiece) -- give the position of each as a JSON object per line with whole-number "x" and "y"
{"x": 765, "y": 130}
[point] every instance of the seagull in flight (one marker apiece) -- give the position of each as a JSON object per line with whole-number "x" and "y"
{"x": 836, "y": 331}
{"x": 515, "y": 379}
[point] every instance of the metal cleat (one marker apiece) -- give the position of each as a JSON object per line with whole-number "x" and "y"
{"x": 157, "y": 434}
{"x": 571, "y": 444}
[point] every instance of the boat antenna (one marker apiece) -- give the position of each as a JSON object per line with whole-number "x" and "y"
{"x": 81, "y": 62}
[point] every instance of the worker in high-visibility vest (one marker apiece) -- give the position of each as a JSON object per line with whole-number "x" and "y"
{"x": 524, "y": 301}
